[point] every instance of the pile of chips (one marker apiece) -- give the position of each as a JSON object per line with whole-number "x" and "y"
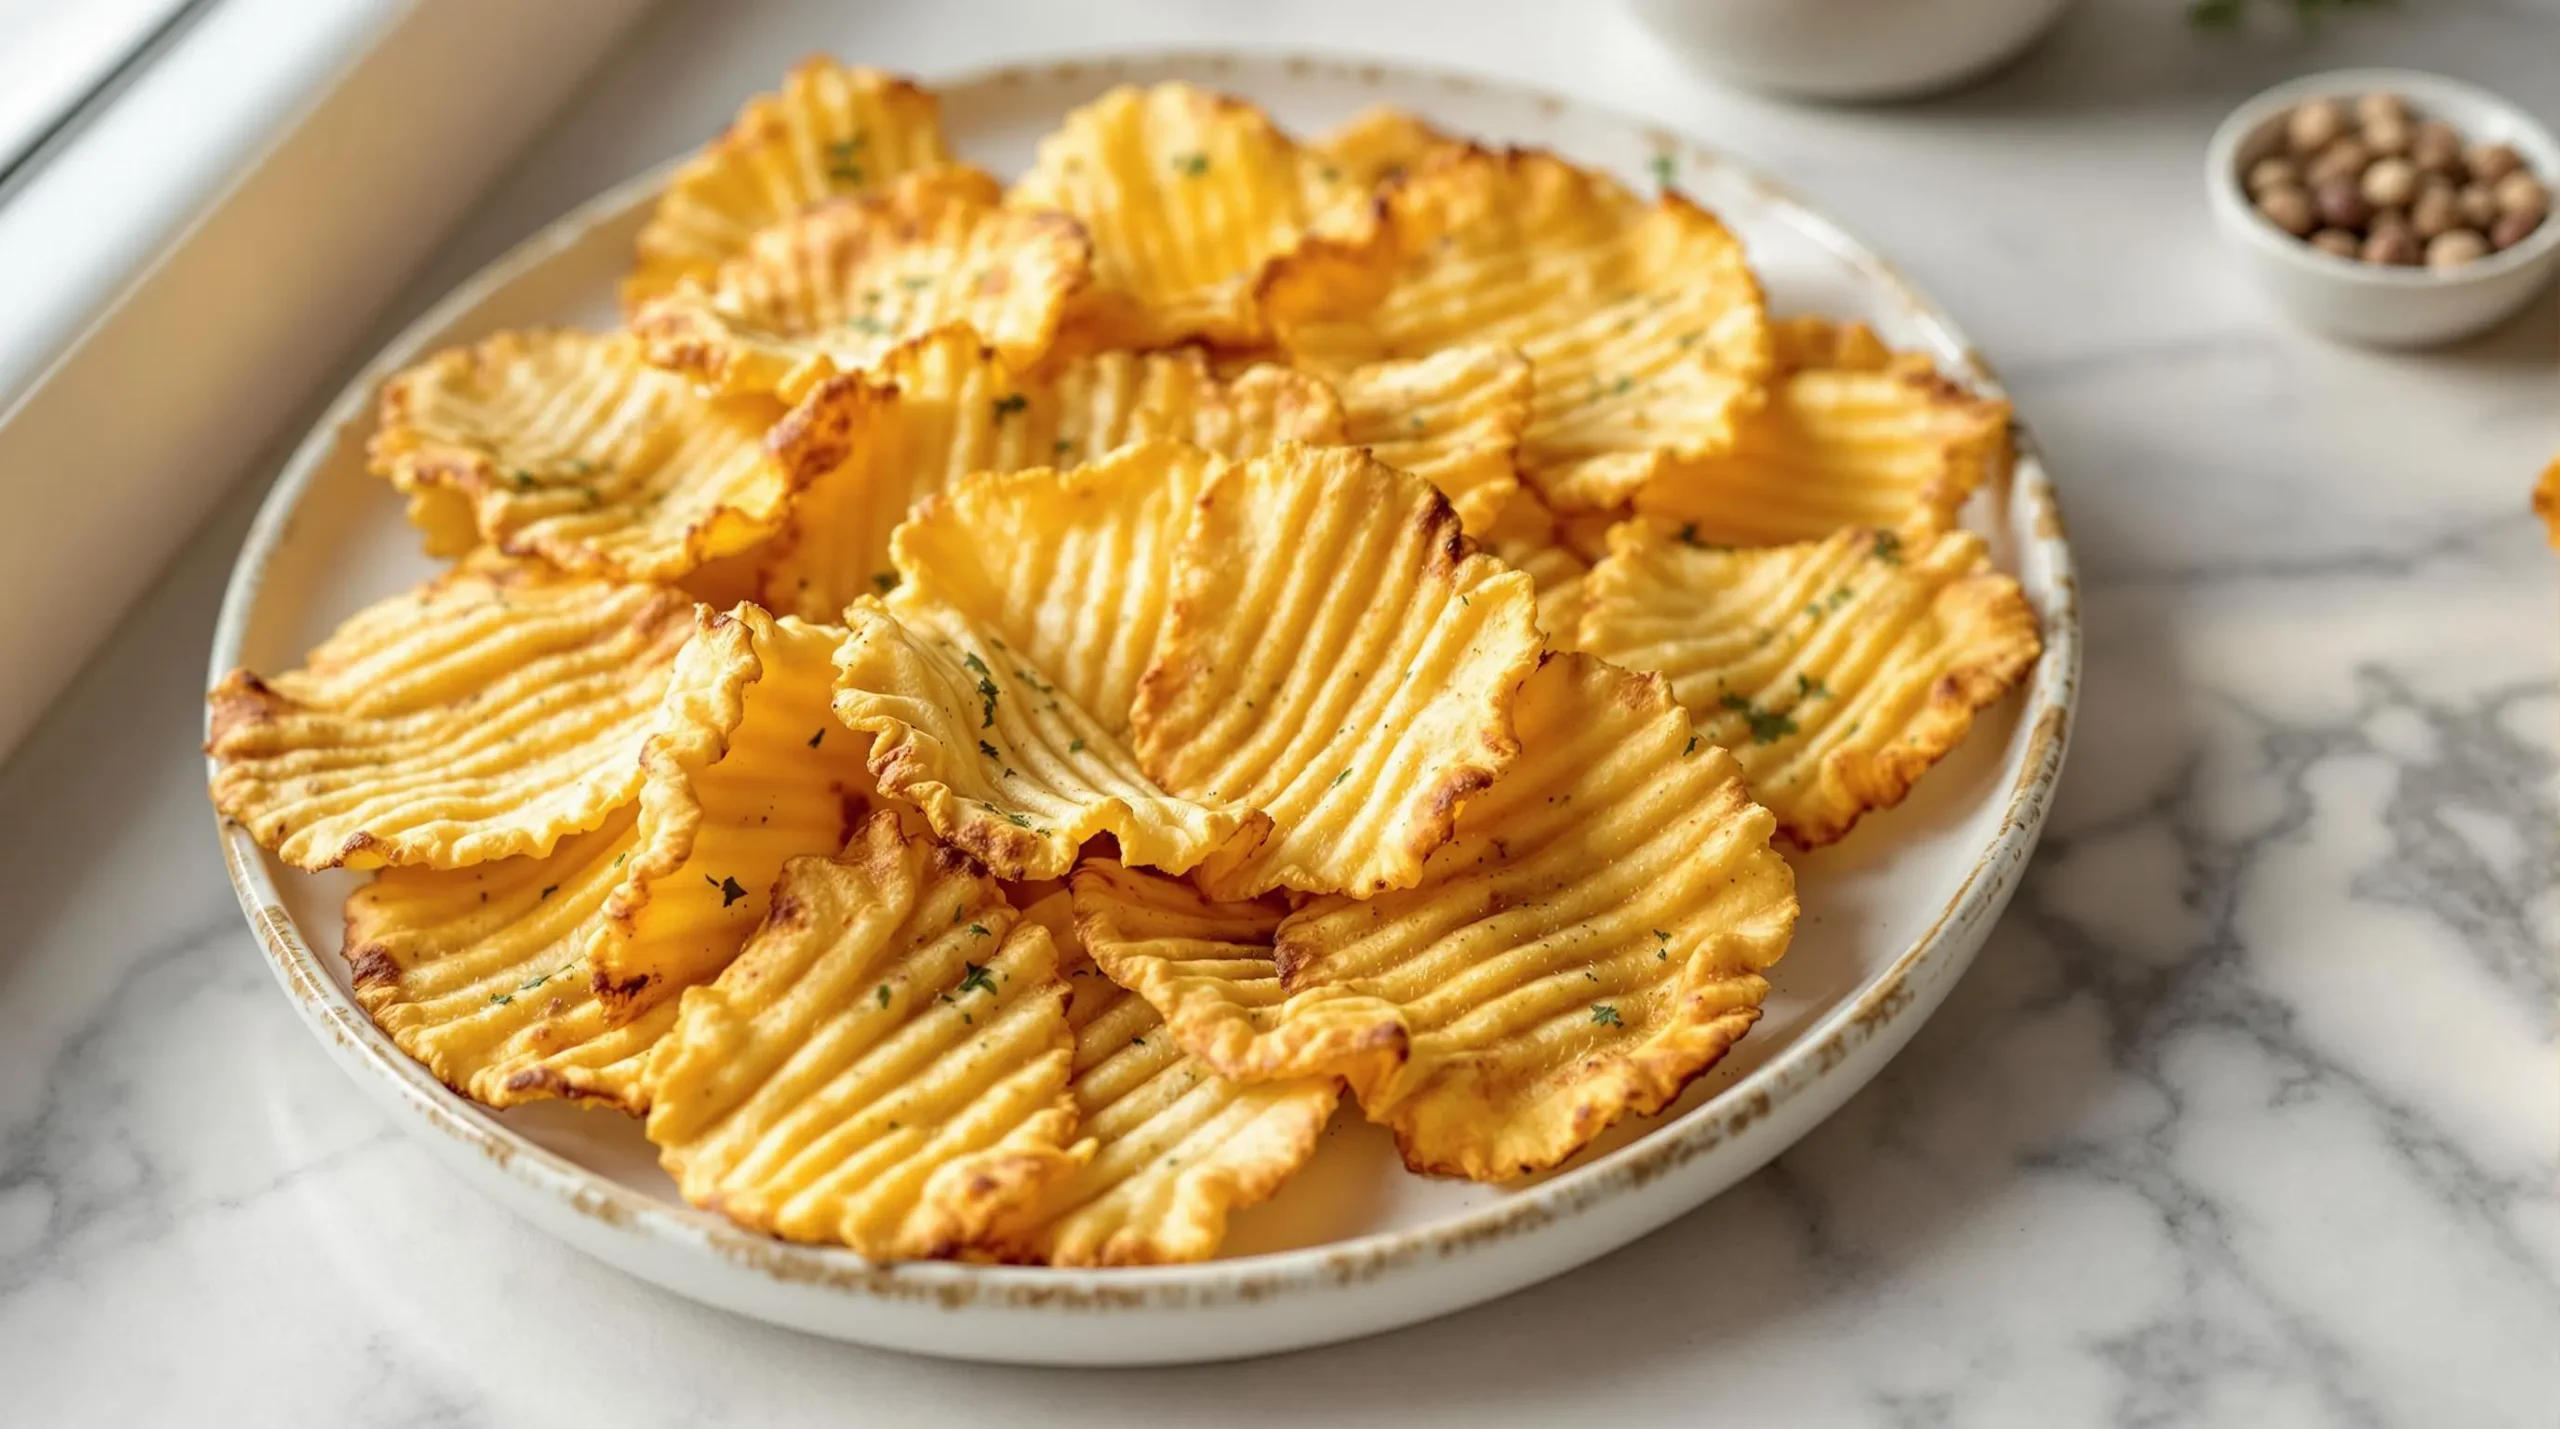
{"x": 982, "y": 712}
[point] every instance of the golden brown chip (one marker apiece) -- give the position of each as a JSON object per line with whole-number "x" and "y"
{"x": 1644, "y": 327}
{"x": 1188, "y": 195}
{"x": 2546, "y": 500}
{"x": 1002, "y": 762}
{"x": 480, "y": 974}
{"x": 747, "y": 770}
{"x": 1836, "y": 670}
{"x": 1339, "y": 657}
{"x": 481, "y": 716}
{"x": 568, "y": 447}
{"x": 1177, "y": 1147}
{"x": 1802, "y": 342}
{"x": 1838, "y": 447}
{"x": 1529, "y": 539}
{"x": 1590, "y": 942}
{"x": 1454, "y": 419}
{"x": 830, "y": 131}
{"x": 1207, "y": 968}
{"x": 884, "y": 1067}
{"x": 1071, "y": 569}
{"x": 943, "y": 407}
{"x": 837, "y": 288}
{"x": 1382, "y": 143}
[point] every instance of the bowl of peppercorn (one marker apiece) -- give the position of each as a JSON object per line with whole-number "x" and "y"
{"x": 2389, "y": 207}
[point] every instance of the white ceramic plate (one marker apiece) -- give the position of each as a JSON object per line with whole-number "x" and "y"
{"x": 1352, "y": 1245}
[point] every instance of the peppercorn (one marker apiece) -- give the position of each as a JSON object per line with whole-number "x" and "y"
{"x": 2387, "y": 137}
{"x": 2391, "y": 245}
{"x": 2436, "y": 148}
{"x": 2342, "y": 156}
{"x": 2381, "y": 108}
{"x": 2478, "y": 204}
{"x": 2521, "y": 192}
{"x": 2338, "y": 241}
{"x": 2290, "y": 209}
{"x": 2273, "y": 173}
{"x": 2311, "y": 126}
{"x": 2341, "y": 203}
{"x": 2435, "y": 210}
{"x": 2456, "y": 247}
{"x": 2390, "y": 183}
{"x": 2512, "y": 229}
{"x": 2491, "y": 162}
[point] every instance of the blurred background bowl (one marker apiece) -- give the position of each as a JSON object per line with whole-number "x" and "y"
{"x": 2366, "y": 302}
{"x": 1847, "y": 49}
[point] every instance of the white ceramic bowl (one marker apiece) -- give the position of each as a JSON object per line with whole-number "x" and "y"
{"x": 2365, "y": 302}
{"x": 1847, "y": 49}
{"x": 1352, "y": 1244}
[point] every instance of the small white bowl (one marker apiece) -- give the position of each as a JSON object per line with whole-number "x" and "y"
{"x": 2364, "y": 302}
{"x": 1848, "y": 50}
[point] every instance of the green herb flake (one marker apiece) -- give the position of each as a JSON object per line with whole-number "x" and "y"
{"x": 1690, "y": 748}
{"x": 1767, "y": 726}
{"x": 884, "y": 581}
{"x": 816, "y": 738}
{"x": 1061, "y": 447}
{"x": 880, "y": 994}
{"x": 501, "y": 999}
{"x": 916, "y": 282}
{"x": 1191, "y": 165}
{"x": 1009, "y": 404}
{"x": 1888, "y": 548}
{"x": 1665, "y": 169}
{"x": 730, "y": 889}
{"x": 1605, "y": 1015}
{"x": 989, "y": 750}
{"x": 978, "y": 979}
{"x": 547, "y": 890}
{"x": 1014, "y": 819}
{"x": 1075, "y": 746}
{"x": 840, "y": 160}
{"x": 1809, "y": 688}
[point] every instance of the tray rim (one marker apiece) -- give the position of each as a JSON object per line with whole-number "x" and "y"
{"x": 1934, "y": 959}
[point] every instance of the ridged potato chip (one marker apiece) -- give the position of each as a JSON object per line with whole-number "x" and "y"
{"x": 1453, "y": 418}
{"x": 1837, "y": 671}
{"x": 1801, "y": 342}
{"x": 1341, "y": 658}
{"x": 1207, "y": 967}
{"x": 837, "y": 288}
{"x": 1002, "y": 762}
{"x": 830, "y": 131}
{"x": 1381, "y": 143}
{"x": 1528, "y": 538}
{"x": 943, "y": 407}
{"x": 1072, "y": 569}
{"x": 2546, "y": 500}
{"x": 884, "y": 1067}
{"x": 745, "y": 771}
{"x": 1838, "y": 447}
{"x": 480, "y": 974}
{"x": 1590, "y": 942}
{"x": 1643, "y": 326}
{"x": 570, "y": 448}
{"x": 1188, "y": 195}
{"x": 481, "y": 716}
{"x": 1176, "y": 1146}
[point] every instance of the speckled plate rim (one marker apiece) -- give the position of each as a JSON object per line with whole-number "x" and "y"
{"x": 1909, "y": 987}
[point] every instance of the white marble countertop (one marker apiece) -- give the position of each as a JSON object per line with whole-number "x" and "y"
{"x": 2247, "y": 1114}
